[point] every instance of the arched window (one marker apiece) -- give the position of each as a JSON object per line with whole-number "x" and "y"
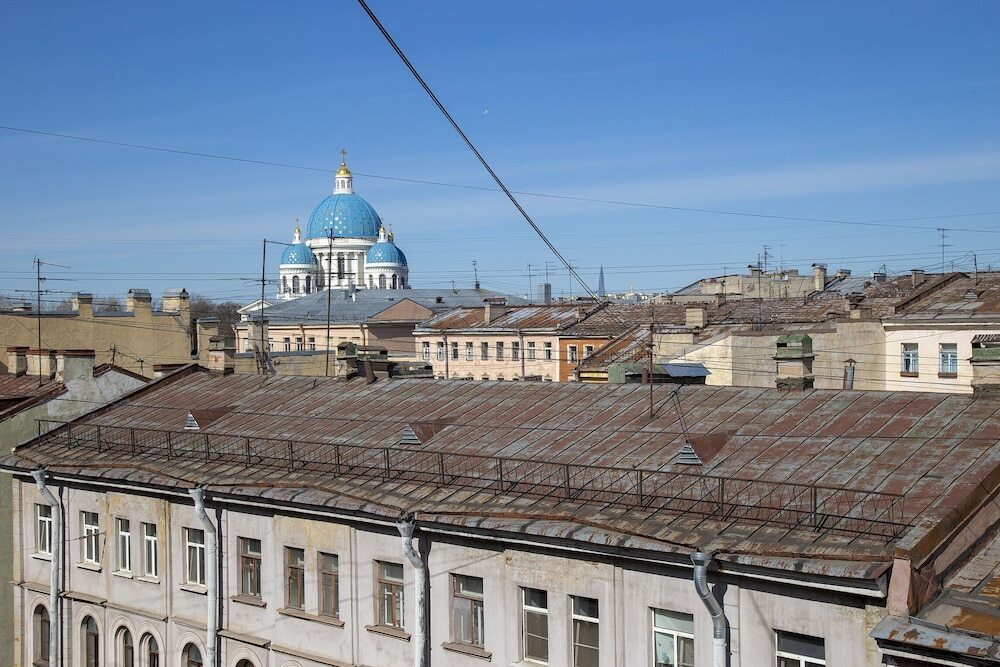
{"x": 191, "y": 657}
{"x": 402, "y": 282}
{"x": 381, "y": 281}
{"x": 394, "y": 281}
{"x": 91, "y": 642}
{"x": 40, "y": 627}
{"x": 295, "y": 284}
{"x": 284, "y": 283}
{"x": 309, "y": 284}
{"x": 371, "y": 281}
{"x": 126, "y": 648}
{"x": 245, "y": 663}
{"x": 341, "y": 266}
{"x": 152, "y": 651}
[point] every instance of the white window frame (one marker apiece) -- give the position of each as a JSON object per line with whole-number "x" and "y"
{"x": 43, "y": 529}
{"x": 287, "y": 343}
{"x": 299, "y": 346}
{"x": 150, "y": 553}
{"x": 197, "y": 549}
{"x": 470, "y": 351}
{"x": 948, "y": 359}
{"x": 587, "y": 350}
{"x": 909, "y": 359}
{"x": 547, "y": 351}
{"x": 540, "y": 611}
{"x": 426, "y": 349}
{"x": 484, "y": 351}
{"x": 530, "y": 352}
{"x": 515, "y": 350}
{"x": 674, "y": 634}
{"x": 311, "y": 343}
{"x": 454, "y": 351}
{"x": 574, "y": 355}
{"x": 91, "y": 537}
{"x": 440, "y": 350}
{"x": 461, "y": 597}
{"x": 499, "y": 350}
{"x": 804, "y": 661}
{"x": 123, "y": 544}
{"x": 582, "y": 618}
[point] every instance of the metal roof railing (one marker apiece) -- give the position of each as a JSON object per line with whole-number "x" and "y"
{"x": 815, "y": 508}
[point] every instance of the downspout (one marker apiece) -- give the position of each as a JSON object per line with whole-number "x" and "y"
{"x": 719, "y": 623}
{"x": 405, "y": 527}
{"x": 57, "y": 548}
{"x": 211, "y": 574}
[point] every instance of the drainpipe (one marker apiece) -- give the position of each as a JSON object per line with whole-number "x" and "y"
{"x": 701, "y": 561}
{"x": 211, "y": 574}
{"x": 57, "y": 547}
{"x": 405, "y": 527}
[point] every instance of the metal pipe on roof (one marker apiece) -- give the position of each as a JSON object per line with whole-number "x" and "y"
{"x": 211, "y": 575}
{"x": 701, "y": 561}
{"x": 405, "y": 527}
{"x": 56, "y": 545}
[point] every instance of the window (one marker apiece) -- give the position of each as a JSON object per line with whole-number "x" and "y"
{"x": 440, "y": 351}
{"x": 535, "y": 625}
{"x": 329, "y": 585}
{"x": 150, "y": 556}
{"x": 673, "y": 639}
{"x": 124, "y": 542}
{"x": 948, "y": 355}
{"x": 484, "y": 351}
{"x": 312, "y": 342}
{"x": 389, "y": 594}
{"x": 40, "y": 628}
{"x": 308, "y": 284}
{"x": 381, "y": 281}
{"x": 454, "y": 351}
{"x": 284, "y": 284}
{"x": 469, "y": 352}
{"x": 573, "y": 357}
{"x": 43, "y": 529}
{"x": 499, "y": 350}
{"x": 91, "y": 642}
{"x": 467, "y": 610}
{"x": 394, "y": 281}
{"x": 341, "y": 268}
{"x": 295, "y": 579}
{"x": 547, "y": 352}
{"x": 194, "y": 565}
{"x": 531, "y": 351}
{"x": 191, "y": 656}
{"x": 127, "y": 648}
{"x": 91, "y": 538}
{"x": 910, "y": 362}
{"x": 585, "y": 632}
{"x": 287, "y": 343}
{"x": 795, "y": 650}
{"x": 587, "y": 350}
{"x": 295, "y": 284}
{"x": 515, "y": 350}
{"x": 249, "y": 567}
{"x": 298, "y": 344}
{"x": 152, "y": 652}
{"x": 426, "y": 347}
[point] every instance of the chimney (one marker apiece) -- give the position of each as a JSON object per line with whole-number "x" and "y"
{"x": 41, "y": 363}
{"x": 221, "y": 354}
{"x": 985, "y": 364}
{"x": 918, "y": 276}
{"x": 22, "y": 307}
{"x": 581, "y": 314}
{"x": 74, "y": 365}
{"x": 843, "y": 273}
{"x": 493, "y": 308}
{"x": 177, "y": 300}
{"x": 695, "y": 316}
{"x": 819, "y": 277}
{"x": 793, "y": 357}
{"x": 83, "y": 304}
{"x": 545, "y": 294}
{"x": 754, "y": 270}
{"x": 160, "y": 370}
{"x": 17, "y": 361}
{"x": 879, "y": 276}
{"x": 139, "y": 302}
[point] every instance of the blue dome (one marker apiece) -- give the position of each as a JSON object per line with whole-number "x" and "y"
{"x": 298, "y": 253}
{"x": 384, "y": 252}
{"x": 348, "y": 215}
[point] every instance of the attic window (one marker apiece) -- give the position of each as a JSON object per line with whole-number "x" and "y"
{"x": 688, "y": 456}
{"x": 191, "y": 424}
{"x": 439, "y": 299}
{"x": 409, "y": 437}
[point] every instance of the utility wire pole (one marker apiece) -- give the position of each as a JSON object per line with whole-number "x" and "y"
{"x": 329, "y": 294}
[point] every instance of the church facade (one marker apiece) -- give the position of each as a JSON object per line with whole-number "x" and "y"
{"x": 345, "y": 246}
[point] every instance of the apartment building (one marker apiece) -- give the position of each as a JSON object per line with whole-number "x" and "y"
{"x": 195, "y": 523}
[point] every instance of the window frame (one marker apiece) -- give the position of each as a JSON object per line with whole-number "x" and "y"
{"x": 295, "y": 575}
{"x": 948, "y": 359}
{"x": 440, "y": 350}
{"x": 542, "y": 612}
{"x": 197, "y": 550}
{"x": 323, "y": 574}
{"x": 470, "y": 351}
{"x": 909, "y": 359}
{"x": 676, "y": 635}
{"x": 250, "y": 566}
{"x": 803, "y": 660}
{"x": 484, "y": 351}
{"x": 574, "y": 354}
{"x": 474, "y": 602}
{"x": 454, "y": 350}
{"x": 581, "y": 618}
{"x": 426, "y": 350}
{"x": 150, "y": 551}
{"x": 286, "y": 342}
{"x": 515, "y": 350}
{"x": 587, "y": 350}
{"x": 42, "y": 635}
{"x": 530, "y": 352}
{"x": 396, "y": 595}
{"x": 43, "y": 529}
{"x": 91, "y": 537}
{"x": 499, "y": 350}
{"x": 123, "y": 544}
{"x": 547, "y": 351}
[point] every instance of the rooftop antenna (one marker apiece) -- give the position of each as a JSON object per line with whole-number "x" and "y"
{"x": 975, "y": 269}
{"x": 529, "y": 283}
{"x": 649, "y": 370}
{"x": 39, "y": 279}
{"x": 475, "y": 274}
{"x": 944, "y": 245}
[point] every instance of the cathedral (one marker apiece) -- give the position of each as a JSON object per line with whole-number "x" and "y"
{"x": 345, "y": 246}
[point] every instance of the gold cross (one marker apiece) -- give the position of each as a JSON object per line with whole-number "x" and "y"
{"x": 343, "y": 155}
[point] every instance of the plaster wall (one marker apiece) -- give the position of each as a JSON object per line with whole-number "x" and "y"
{"x": 492, "y": 368}
{"x": 929, "y": 337}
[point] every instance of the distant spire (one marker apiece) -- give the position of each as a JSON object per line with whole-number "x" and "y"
{"x": 297, "y": 236}
{"x": 343, "y": 182}
{"x": 600, "y": 284}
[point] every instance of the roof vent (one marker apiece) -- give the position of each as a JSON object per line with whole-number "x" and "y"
{"x": 409, "y": 437}
{"x": 688, "y": 457}
{"x": 191, "y": 424}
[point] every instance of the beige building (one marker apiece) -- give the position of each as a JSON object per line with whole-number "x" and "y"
{"x": 757, "y": 283}
{"x": 135, "y": 338}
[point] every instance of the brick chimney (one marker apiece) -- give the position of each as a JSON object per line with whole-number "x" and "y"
{"x": 819, "y": 277}
{"x": 695, "y": 316}
{"x": 918, "y": 277}
{"x": 83, "y": 304}
{"x": 139, "y": 302}
{"x": 493, "y": 307}
{"x": 74, "y": 365}
{"x": 41, "y": 363}
{"x": 221, "y": 354}
{"x": 178, "y": 301}
{"x": 17, "y": 360}
{"x": 793, "y": 358}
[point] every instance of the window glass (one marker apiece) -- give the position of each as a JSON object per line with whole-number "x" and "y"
{"x": 948, "y": 358}
{"x": 586, "y": 632}
{"x": 910, "y": 362}
{"x": 150, "y": 555}
{"x": 43, "y": 529}
{"x": 91, "y": 538}
{"x": 329, "y": 584}
{"x": 795, "y": 650}
{"x": 249, "y": 567}
{"x": 535, "y": 624}
{"x": 194, "y": 567}
{"x": 389, "y": 594}
{"x": 295, "y": 582}
{"x": 468, "y": 625}
{"x": 673, "y": 639}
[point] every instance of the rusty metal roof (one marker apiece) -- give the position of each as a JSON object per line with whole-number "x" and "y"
{"x": 327, "y": 443}
{"x": 960, "y": 296}
{"x": 23, "y": 386}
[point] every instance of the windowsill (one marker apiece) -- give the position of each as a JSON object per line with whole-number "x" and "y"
{"x": 85, "y": 565}
{"x": 318, "y": 618}
{"x": 389, "y": 632}
{"x": 148, "y": 580}
{"x": 948, "y": 375}
{"x": 124, "y": 574}
{"x": 468, "y": 649}
{"x": 908, "y": 374}
{"x": 41, "y": 555}
{"x": 248, "y": 599}
{"x": 199, "y": 589}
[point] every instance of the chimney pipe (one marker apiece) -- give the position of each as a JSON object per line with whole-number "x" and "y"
{"x": 701, "y": 562}
{"x": 849, "y": 373}
{"x": 918, "y": 277}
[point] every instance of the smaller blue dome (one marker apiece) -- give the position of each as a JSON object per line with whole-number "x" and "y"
{"x": 384, "y": 252}
{"x": 298, "y": 253}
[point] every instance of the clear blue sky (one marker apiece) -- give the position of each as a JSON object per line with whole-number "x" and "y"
{"x": 847, "y": 111}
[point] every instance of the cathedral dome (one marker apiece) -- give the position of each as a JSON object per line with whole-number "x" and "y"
{"x": 385, "y": 252}
{"x": 347, "y": 215}
{"x": 298, "y": 253}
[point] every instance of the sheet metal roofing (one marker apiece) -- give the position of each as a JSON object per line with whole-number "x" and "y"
{"x": 932, "y": 449}
{"x": 964, "y": 296}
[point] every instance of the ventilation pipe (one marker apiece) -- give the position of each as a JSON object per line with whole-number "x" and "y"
{"x": 211, "y": 574}
{"x": 57, "y": 547}
{"x": 849, "y": 365}
{"x": 701, "y": 561}
{"x": 406, "y": 526}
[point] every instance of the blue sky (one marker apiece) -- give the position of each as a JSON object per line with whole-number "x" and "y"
{"x": 840, "y": 111}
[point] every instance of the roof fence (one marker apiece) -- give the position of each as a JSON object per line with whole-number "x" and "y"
{"x": 817, "y": 509}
